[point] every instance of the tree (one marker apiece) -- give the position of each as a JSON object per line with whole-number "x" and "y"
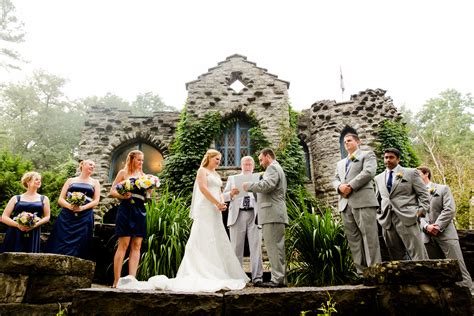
{"x": 147, "y": 103}
{"x": 443, "y": 136}
{"x": 11, "y": 33}
{"x": 42, "y": 125}
{"x": 108, "y": 101}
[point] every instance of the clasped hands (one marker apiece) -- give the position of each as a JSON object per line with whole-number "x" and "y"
{"x": 345, "y": 190}
{"x": 432, "y": 229}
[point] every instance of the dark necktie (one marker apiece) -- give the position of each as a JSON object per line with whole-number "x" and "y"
{"x": 246, "y": 202}
{"x": 348, "y": 162}
{"x": 389, "y": 181}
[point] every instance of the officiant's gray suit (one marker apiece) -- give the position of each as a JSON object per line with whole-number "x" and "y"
{"x": 398, "y": 212}
{"x": 242, "y": 223}
{"x": 359, "y": 209}
{"x": 273, "y": 217}
{"x": 442, "y": 212}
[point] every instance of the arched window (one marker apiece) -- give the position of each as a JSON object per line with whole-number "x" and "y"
{"x": 345, "y": 131}
{"x": 153, "y": 159}
{"x": 234, "y": 143}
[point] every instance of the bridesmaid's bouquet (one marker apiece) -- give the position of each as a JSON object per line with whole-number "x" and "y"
{"x": 147, "y": 182}
{"x": 27, "y": 219}
{"x": 126, "y": 186}
{"x": 76, "y": 198}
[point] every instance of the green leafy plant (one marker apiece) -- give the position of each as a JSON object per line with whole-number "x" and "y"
{"x": 62, "y": 310}
{"x": 12, "y": 168}
{"x": 168, "y": 228}
{"x": 395, "y": 134}
{"x": 317, "y": 250}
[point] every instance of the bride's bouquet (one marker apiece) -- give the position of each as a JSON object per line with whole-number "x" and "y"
{"x": 76, "y": 198}
{"x": 27, "y": 219}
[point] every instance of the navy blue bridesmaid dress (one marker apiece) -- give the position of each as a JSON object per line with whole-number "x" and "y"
{"x": 18, "y": 241}
{"x": 131, "y": 216}
{"x": 72, "y": 231}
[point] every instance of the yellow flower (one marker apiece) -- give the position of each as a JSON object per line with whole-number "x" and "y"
{"x": 399, "y": 175}
{"x": 432, "y": 190}
{"x": 352, "y": 157}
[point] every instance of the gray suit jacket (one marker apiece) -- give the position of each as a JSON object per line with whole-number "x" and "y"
{"x": 407, "y": 197}
{"x": 359, "y": 175}
{"x": 234, "y": 205}
{"x": 442, "y": 211}
{"x": 272, "y": 198}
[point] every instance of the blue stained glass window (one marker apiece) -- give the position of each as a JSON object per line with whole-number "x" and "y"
{"x": 234, "y": 143}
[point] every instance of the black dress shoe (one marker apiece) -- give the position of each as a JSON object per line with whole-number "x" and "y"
{"x": 257, "y": 283}
{"x": 272, "y": 284}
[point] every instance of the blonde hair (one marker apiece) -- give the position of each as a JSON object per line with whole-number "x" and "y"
{"x": 81, "y": 163}
{"x": 210, "y": 153}
{"x": 130, "y": 158}
{"x": 27, "y": 177}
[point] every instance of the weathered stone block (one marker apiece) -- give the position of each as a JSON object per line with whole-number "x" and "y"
{"x": 129, "y": 302}
{"x": 444, "y": 271}
{"x": 12, "y": 287}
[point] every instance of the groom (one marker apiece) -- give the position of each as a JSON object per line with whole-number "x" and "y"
{"x": 272, "y": 214}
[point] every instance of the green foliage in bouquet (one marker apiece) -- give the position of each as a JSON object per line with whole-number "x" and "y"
{"x": 317, "y": 251}
{"x": 395, "y": 134}
{"x": 12, "y": 168}
{"x": 168, "y": 228}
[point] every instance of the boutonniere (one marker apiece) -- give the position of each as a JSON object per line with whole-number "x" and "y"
{"x": 260, "y": 175}
{"x": 399, "y": 175}
{"x": 432, "y": 190}
{"x": 352, "y": 158}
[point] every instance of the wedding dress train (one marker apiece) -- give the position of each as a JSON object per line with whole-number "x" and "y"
{"x": 209, "y": 263}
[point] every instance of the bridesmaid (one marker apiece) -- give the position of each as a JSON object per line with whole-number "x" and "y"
{"x": 130, "y": 225}
{"x": 73, "y": 229}
{"x": 19, "y": 238}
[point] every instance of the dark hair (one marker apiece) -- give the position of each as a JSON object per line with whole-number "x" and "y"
{"x": 268, "y": 152}
{"x": 425, "y": 170}
{"x": 394, "y": 151}
{"x": 354, "y": 136}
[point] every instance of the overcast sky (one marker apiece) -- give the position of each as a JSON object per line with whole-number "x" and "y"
{"x": 412, "y": 49}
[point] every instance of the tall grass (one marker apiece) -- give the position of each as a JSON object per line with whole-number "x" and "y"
{"x": 318, "y": 252}
{"x": 168, "y": 228}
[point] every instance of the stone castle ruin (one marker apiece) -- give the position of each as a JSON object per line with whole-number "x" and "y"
{"x": 237, "y": 86}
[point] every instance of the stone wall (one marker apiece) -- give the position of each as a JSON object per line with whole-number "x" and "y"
{"x": 264, "y": 95}
{"x": 321, "y": 127}
{"x": 108, "y": 129}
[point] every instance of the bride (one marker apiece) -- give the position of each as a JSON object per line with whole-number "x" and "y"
{"x": 209, "y": 263}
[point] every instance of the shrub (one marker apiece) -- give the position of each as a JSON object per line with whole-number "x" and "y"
{"x": 317, "y": 250}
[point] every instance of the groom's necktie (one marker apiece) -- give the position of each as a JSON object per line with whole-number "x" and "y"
{"x": 348, "y": 162}
{"x": 389, "y": 181}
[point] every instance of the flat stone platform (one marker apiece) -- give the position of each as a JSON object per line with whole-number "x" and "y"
{"x": 350, "y": 300}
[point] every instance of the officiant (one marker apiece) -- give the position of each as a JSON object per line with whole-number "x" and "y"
{"x": 243, "y": 216}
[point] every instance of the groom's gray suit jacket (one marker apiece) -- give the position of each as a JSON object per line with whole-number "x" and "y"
{"x": 272, "y": 198}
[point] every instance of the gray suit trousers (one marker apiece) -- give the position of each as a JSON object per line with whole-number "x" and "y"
{"x": 451, "y": 250}
{"x": 401, "y": 239}
{"x": 360, "y": 227}
{"x": 245, "y": 226}
{"x": 274, "y": 239}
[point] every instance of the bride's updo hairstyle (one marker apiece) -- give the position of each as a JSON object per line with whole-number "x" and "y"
{"x": 211, "y": 153}
{"x": 130, "y": 159}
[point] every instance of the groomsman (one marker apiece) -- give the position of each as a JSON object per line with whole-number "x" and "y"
{"x": 272, "y": 214}
{"x": 404, "y": 199}
{"x": 242, "y": 222}
{"x": 357, "y": 202}
{"x": 438, "y": 226}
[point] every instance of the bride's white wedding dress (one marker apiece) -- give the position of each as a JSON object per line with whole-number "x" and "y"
{"x": 209, "y": 263}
